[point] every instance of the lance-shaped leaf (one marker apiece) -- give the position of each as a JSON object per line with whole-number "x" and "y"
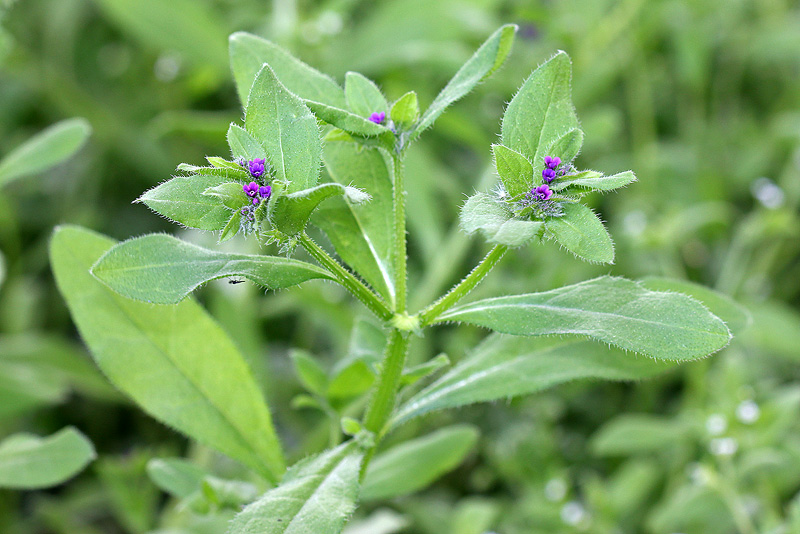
{"x": 415, "y": 464}
{"x": 486, "y": 60}
{"x": 663, "y": 325}
{"x": 316, "y": 495}
{"x": 581, "y": 232}
{"x": 290, "y": 213}
{"x": 243, "y": 145}
{"x": 363, "y": 96}
{"x": 503, "y": 367}
{"x": 286, "y": 128}
{"x": 496, "y": 223}
{"x": 541, "y": 111}
{"x": 31, "y": 462}
{"x": 162, "y": 269}
{"x": 514, "y": 169}
{"x": 45, "y": 150}
{"x": 362, "y": 235}
{"x": 592, "y": 180}
{"x": 181, "y": 199}
{"x": 167, "y": 358}
{"x": 249, "y": 53}
{"x": 350, "y": 122}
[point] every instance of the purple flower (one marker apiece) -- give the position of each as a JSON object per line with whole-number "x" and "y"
{"x": 256, "y": 201}
{"x": 541, "y": 192}
{"x": 548, "y": 175}
{"x": 256, "y": 167}
{"x": 552, "y": 163}
{"x": 251, "y": 189}
{"x": 265, "y": 191}
{"x": 377, "y": 117}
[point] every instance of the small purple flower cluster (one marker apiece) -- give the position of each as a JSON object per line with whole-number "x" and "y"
{"x": 257, "y": 192}
{"x": 550, "y": 166}
{"x": 256, "y": 167}
{"x": 378, "y": 117}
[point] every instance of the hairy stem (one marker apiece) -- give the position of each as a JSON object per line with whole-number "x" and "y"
{"x": 400, "y": 253}
{"x": 382, "y": 401}
{"x": 344, "y": 277}
{"x": 459, "y": 291}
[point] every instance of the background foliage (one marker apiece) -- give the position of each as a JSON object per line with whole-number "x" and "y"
{"x": 700, "y": 98}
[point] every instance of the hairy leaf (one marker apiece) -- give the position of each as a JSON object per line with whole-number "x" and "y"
{"x": 316, "y": 495}
{"x": 181, "y": 199}
{"x": 363, "y": 96}
{"x": 31, "y": 462}
{"x": 174, "y": 361}
{"x": 486, "y": 60}
{"x": 581, "y": 232}
{"x": 495, "y": 222}
{"x": 243, "y": 145}
{"x": 593, "y": 180}
{"x": 350, "y": 122}
{"x": 514, "y": 169}
{"x": 405, "y": 112}
{"x": 667, "y": 326}
{"x": 503, "y": 367}
{"x": 282, "y": 123}
{"x": 162, "y": 269}
{"x": 46, "y": 149}
{"x": 290, "y": 213}
{"x": 415, "y": 464}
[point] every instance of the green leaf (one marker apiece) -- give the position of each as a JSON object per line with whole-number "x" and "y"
{"x": 638, "y": 433}
{"x": 244, "y": 145}
{"x": 405, "y": 112}
{"x": 290, "y": 213}
{"x": 181, "y": 199}
{"x": 354, "y": 374}
{"x": 286, "y": 128}
{"x": 176, "y": 476}
{"x": 662, "y": 325}
{"x": 231, "y": 228}
{"x": 486, "y": 60}
{"x": 418, "y": 372}
{"x": 363, "y": 96}
{"x": 249, "y": 53}
{"x": 514, "y": 169}
{"x": 361, "y": 235}
{"x": 162, "y": 269}
{"x": 350, "y": 122}
{"x": 541, "y": 111}
{"x": 31, "y": 462}
{"x": 736, "y": 316}
{"x": 231, "y": 194}
{"x": 565, "y": 147}
{"x": 495, "y": 222}
{"x": 46, "y": 149}
{"x": 309, "y": 371}
{"x": 316, "y": 495}
{"x": 167, "y": 358}
{"x": 593, "y": 180}
{"x": 503, "y": 367}
{"x": 581, "y": 232}
{"x": 415, "y": 464}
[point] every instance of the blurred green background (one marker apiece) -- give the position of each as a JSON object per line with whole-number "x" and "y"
{"x": 700, "y": 98}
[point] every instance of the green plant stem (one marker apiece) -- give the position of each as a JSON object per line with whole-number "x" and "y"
{"x": 382, "y": 401}
{"x": 429, "y": 314}
{"x": 344, "y": 277}
{"x": 400, "y": 253}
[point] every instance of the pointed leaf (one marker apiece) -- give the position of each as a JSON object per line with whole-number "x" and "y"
{"x": 290, "y": 213}
{"x": 581, "y": 232}
{"x": 662, "y": 325}
{"x": 181, "y": 199}
{"x": 418, "y": 372}
{"x": 363, "y": 96}
{"x": 46, "y": 149}
{"x": 514, "y": 169}
{"x": 565, "y": 147}
{"x": 487, "y": 59}
{"x": 494, "y": 220}
{"x": 541, "y": 111}
{"x": 361, "y": 235}
{"x": 503, "y": 367}
{"x": 593, "y": 180}
{"x": 285, "y": 127}
{"x": 350, "y": 122}
{"x": 31, "y": 462}
{"x": 415, "y": 464}
{"x": 161, "y": 269}
{"x": 316, "y": 495}
{"x": 405, "y": 112}
{"x": 231, "y": 194}
{"x": 249, "y": 53}
{"x": 167, "y": 358}
{"x": 243, "y": 145}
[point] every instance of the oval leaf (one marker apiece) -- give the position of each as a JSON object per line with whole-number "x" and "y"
{"x": 484, "y": 213}
{"x": 666, "y": 326}
{"x": 45, "y": 150}
{"x": 502, "y": 367}
{"x": 514, "y": 170}
{"x": 31, "y": 462}
{"x": 316, "y": 495}
{"x": 167, "y": 358}
{"x": 182, "y": 200}
{"x": 162, "y": 269}
{"x": 581, "y": 232}
{"x": 363, "y": 96}
{"x": 286, "y": 128}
